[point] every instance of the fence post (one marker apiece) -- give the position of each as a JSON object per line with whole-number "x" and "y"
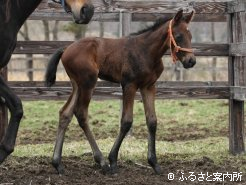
{"x": 126, "y": 23}
{"x": 237, "y": 72}
{"x": 3, "y": 109}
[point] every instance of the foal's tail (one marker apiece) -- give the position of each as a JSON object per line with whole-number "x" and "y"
{"x": 50, "y": 75}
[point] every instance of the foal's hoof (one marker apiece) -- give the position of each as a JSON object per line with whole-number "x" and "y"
{"x": 3, "y": 153}
{"x": 157, "y": 169}
{"x": 114, "y": 169}
{"x": 105, "y": 169}
{"x": 59, "y": 168}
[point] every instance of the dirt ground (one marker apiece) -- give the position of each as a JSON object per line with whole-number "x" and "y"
{"x": 81, "y": 170}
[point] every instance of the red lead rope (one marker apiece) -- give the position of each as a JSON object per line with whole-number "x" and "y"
{"x": 176, "y": 47}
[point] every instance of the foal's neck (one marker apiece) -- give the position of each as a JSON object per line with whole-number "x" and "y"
{"x": 155, "y": 42}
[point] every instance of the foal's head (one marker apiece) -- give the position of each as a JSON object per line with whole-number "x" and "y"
{"x": 180, "y": 39}
{"x": 82, "y": 10}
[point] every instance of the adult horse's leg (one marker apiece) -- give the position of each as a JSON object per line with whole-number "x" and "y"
{"x": 81, "y": 113}
{"x": 129, "y": 92}
{"x": 66, "y": 114}
{"x": 148, "y": 96}
{"x": 16, "y": 112}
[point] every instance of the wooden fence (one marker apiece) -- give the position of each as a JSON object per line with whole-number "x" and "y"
{"x": 232, "y": 12}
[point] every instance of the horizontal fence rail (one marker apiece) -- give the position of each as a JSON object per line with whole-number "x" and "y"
{"x": 114, "y": 17}
{"x": 159, "y": 6}
{"x": 238, "y": 49}
{"x": 200, "y": 49}
{"x": 108, "y": 10}
{"x": 49, "y": 47}
{"x": 107, "y": 90}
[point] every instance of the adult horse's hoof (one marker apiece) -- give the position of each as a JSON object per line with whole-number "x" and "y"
{"x": 59, "y": 168}
{"x": 3, "y": 153}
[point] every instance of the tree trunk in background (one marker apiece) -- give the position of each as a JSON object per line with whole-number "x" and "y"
{"x": 177, "y": 70}
{"x": 29, "y": 64}
{"x": 101, "y": 25}
{"x": 55, "y": 31}
{"x": 46, "y": 34}
{"x": 214, "y": 62}
{"x": 46, "y": 30}
{"x": 30, "y": 67}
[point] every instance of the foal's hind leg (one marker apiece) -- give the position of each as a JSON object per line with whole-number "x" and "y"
{"x": 129, "y": 92}
{"x": 148, "y": 95}
{"x": 15, "y": 107}
{"x": 66, "y": 114}
{"x": 81, "y": 113}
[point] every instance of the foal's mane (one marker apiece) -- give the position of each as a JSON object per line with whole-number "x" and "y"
{"x": 159, "y": 22}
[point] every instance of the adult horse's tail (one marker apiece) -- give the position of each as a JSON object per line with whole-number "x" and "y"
{"x": 50, "y": 76}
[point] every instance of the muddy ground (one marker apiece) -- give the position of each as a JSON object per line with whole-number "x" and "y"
{"x": 82, "y": 170}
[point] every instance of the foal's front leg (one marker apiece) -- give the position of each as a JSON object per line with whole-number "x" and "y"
{"x": 129, "y": 92}
{"x": 148, "y": 96}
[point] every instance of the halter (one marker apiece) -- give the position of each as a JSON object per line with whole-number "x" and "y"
{"x": 176, "y": 47}
{"x": 62, "y": 2}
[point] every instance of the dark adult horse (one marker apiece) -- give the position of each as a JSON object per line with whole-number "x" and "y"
{"x": 13, "y": 14}
{"x": 135, "y": 62}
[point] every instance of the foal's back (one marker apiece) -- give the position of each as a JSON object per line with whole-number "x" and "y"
{"x": 103, "y": 56}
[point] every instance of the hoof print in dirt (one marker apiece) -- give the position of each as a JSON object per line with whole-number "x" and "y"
{"x": 204, "y": 161}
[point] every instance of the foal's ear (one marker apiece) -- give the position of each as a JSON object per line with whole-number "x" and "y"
{"x": 189, "y": 17}
{"x": 178, "y": 16}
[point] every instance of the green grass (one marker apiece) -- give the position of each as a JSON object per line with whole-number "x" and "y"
{"x": 187, "y": 130}
{"x": 176, "y": 119}
{"x": 132, "y": 147}
{"x": 135, "y": 150}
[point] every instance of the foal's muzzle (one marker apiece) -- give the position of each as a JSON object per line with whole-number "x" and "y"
{"x": 85, "y": 14}
{"x": 189, "y": 63}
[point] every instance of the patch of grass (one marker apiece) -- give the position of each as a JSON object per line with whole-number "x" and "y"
{"x": 189, "y": 131}
{"x": 216, "y": 149}
{"x": 177, "y": 120}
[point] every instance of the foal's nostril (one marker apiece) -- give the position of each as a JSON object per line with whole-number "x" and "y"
{"x": 192, "y": 62}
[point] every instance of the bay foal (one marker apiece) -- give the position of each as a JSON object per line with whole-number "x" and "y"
{"x": 134, "y": 62}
